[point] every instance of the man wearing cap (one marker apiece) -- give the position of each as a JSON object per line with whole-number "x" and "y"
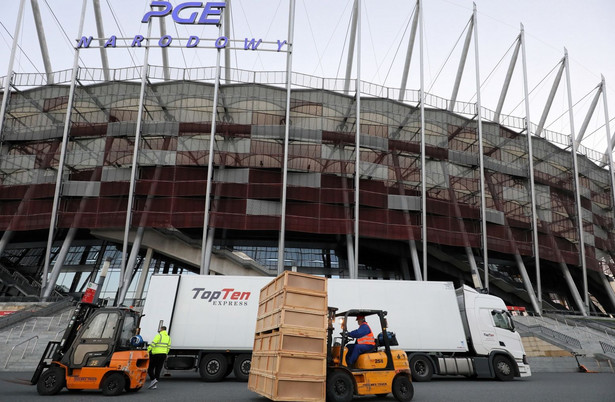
{"x": 365, "y": 341}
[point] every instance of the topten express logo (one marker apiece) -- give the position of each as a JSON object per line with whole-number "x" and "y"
{"x": 188, "y": 13}
{"x": 225, "y": 297}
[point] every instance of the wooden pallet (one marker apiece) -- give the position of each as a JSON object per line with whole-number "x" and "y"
{"x": 293, "y": 297}
{"x": 287, "y": 388}
{"x": 290, "y": 364}
{"x": 292, "y": 340}
{"x": 289, "y": 279}
{"x": 291, "y": 317}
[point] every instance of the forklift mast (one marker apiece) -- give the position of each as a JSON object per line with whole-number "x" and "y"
{"x": 80, "y": 315}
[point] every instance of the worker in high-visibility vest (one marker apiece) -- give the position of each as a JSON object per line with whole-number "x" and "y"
{"x": 365, "y": 341}
{"x": 158, "y": 351}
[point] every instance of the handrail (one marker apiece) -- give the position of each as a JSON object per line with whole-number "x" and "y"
{"x": 582, "y": 329}
{"x": 57, "y": 333}
{"x": 606, "y": 348}
{"x": 558, "y": 336}
{"x": 9, "y": 335}
{"x": 26, "y": 323}
{"x": 25, "y": 349}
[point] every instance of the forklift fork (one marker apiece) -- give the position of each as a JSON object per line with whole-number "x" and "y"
{"x": 46, "y": 360}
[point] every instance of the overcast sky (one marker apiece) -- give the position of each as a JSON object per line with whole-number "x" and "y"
{"x": 585, "y": 28}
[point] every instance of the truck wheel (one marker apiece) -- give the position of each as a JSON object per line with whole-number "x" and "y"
{"x": 113, "y": 384}
{"x": 241, "y": 368}
{"x": 402, "y": 388}
{"x": 52, "y": 381}
{"x": 340, "y": 387}
{"x": 421, "y": 368}
{"x": 503, "y": 368}
{"x": 213, "y": 367}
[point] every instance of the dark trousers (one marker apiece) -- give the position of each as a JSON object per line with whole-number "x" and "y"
{"x": 155, "y": 365}
{"x": 354, "y": 350}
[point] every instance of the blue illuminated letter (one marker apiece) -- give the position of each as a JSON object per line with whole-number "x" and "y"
{"x": 189, "y": 20}
{"x": 252, "y": 44}
{"x": 193, "y": 41}
{"x": 159, "y": 13}
{"x": 137, "y": 41}
{"x": 221, "y": 42}
{"x": 110, "y": 41}
{"x": 211, "y": 9}
{"x": 84, "y": 42}
{"x": 162, "y": 42}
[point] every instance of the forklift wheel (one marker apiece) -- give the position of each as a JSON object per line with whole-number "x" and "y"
{"x": 113, "y": 384}
{"x": 402, "y": 388}
{"x": 340, "y": 387}
{"x": 51, "y": 382}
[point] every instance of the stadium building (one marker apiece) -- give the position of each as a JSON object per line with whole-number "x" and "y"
{"x": 119, "y": 173}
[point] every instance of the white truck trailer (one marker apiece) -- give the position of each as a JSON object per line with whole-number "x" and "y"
{"x": 211, "y": 320}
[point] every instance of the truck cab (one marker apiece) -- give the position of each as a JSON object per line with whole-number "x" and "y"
{"x": 491, "y": 333}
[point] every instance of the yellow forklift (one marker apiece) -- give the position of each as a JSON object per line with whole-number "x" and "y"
{"x": 378, "y": 372}
{"x": 100, "y": 349}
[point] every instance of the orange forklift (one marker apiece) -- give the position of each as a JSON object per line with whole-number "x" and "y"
{"x": 100, "y": 349}
{"x": 378, "y": 372}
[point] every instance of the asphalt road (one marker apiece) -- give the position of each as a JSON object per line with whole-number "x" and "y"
{"x": 186, "y": 386}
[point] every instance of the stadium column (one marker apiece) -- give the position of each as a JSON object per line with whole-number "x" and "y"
{"x": 101, "y": 34}
{"x": 208, "y": 234}
{"x": 42, "y": 40}
{"x": 536, "y": 246}
{"x": 289, "y": 71}
{"x": 575, "y": 168}
{"x": 48, "y": 285}
{"x": 609, "y": 155}
{"x": 227, "y": 33}
{"x": 9, "y": 75}
{"x": 423, "y": 171}
{"x": 402, "y": 93}
{"x": 481, "y": 159}
{"x": 6, "y": 236}
{"x": 357, "y": 167}
{"x": 125, "y": 274}
{"x": 351, "y": 46}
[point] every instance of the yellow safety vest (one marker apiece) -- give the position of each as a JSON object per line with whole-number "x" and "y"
{"x": 161, "y": 344}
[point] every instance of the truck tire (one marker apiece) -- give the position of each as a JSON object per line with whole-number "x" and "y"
{"x": 402, "y": 389}
{"x": 340, "y": 387}
{"x": 421, "y": 368}
{"x": 113, "y": 384}
{"x": 503, "y": 368}
{"x": 241, "y": 368}
{"x": 213, "y": 367}
{"x": 51, "y": 381}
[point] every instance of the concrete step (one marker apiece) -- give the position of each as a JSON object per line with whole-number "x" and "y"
{"x": 19, "y": 354}
{"x": 569, "y": 364}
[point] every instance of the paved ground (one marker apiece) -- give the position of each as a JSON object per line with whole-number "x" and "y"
{"x": 541, "y": 387}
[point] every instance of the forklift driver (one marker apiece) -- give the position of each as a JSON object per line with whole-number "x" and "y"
{"x": 365, "y": 341}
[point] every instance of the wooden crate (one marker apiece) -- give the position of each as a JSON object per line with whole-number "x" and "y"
{"x": 290, "y": 364}
{"x": 291, "y": 297}
{"x": 291, "y": 318}
{"x": 288, "y": 388}
{"x": 289, "y": 279}
{"x": 292, "y": 340}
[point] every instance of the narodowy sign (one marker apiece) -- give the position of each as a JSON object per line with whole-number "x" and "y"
{"x": 188, "y": 13}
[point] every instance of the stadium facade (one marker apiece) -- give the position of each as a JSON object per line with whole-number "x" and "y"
{"x": 132, "y": 180}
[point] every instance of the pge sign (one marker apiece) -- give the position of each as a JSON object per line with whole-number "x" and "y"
{"x": 210, "y": 9}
